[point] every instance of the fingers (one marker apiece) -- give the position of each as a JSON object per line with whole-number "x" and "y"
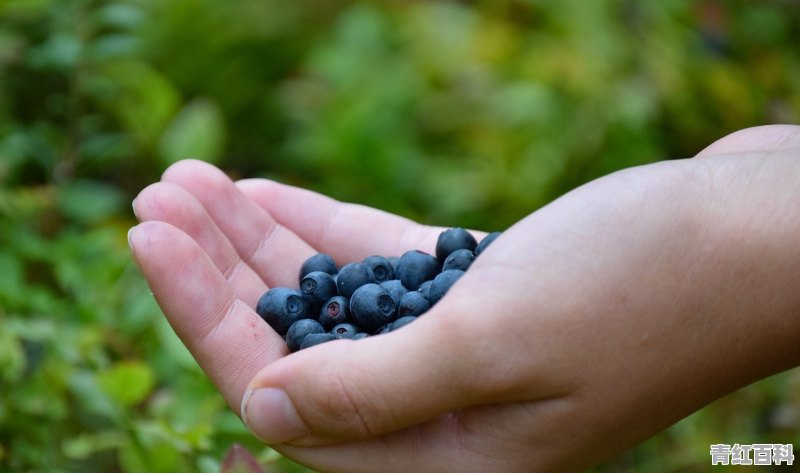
{"x": 361, "y": 389}
{"x": 760, "y": 138}
{"x": 273, "y": 252}
{"x": 173, "y": 204}
{"x": 229, "y": 341}
{"x": 348, "y": 232}
{"x": 357, "y": 390}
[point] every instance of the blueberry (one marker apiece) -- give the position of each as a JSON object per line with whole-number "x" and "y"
{"x": 425, "y": 289}
{"x": 402, "y": 321}
{"x": 459, "y": 259}
{"x": 318, "y": 262}
{"x": 360, "y": 335}
{"x": 335, "y": 311}
{"x": 416, "y": 267}
{"x": 352, "y": 276}
{"x": 345, "y": 331}
{"x": 452, "y": 240}
{"x": 385, "y": 328}
{"x": 412, "y": 303}
{"x": 442, "y": 282}
{"x": 372, "y": 306}
{"x": 317, "y": 287}
{"x": 298, "y": 331}
{"x": 315, "y": 339}
{"x": 394, "y": 260}
{"x": 395, "y": 288}
{"x": 381, "y": 267}
{"x": 280, "y": 307}
{"x": 487, "y": 240}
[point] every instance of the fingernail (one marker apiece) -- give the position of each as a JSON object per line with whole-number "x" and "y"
{"x": 133, "y": 205}
{"x": 271, "y": 416}
{"x": 130, "y": 231}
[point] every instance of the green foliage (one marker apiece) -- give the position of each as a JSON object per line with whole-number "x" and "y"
{"x": 453, "y": 113}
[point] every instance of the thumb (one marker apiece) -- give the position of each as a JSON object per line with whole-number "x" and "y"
{"x": 346, "y": 389}
{"x": 765, "y": 138}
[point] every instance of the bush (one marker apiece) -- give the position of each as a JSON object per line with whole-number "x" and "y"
{"x": 441, "y": 111}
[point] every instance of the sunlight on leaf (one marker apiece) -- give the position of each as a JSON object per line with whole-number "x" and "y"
{"x": 127, "y": 382}
{"x": 198, "y": 131}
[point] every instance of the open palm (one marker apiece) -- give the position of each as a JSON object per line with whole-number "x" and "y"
{"x": 532, "y": 362}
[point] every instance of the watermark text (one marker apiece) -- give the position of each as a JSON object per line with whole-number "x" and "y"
{"x": 755, "y": 454}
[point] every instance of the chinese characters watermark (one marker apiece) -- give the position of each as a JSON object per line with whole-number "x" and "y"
{"x": 755, "y": 454}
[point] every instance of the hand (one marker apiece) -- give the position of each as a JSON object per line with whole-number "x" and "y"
{"x": 586, "y": 327}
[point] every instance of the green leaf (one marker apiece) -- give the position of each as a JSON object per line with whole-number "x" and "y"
{"x": 143, "y": 99}
{"x": 127, "y": 382}
{"x": 198, "y": 131}
{"x": 132, "y": 460}
{"x": 25, "y": 8}
{"x": 12, "y": 358}
{"x": 85, "y": 445}
{"x": 61, "y": 51}
{"x": 89, "y": 201}
{"x": 12, "y": 287}
{"x": 120, "y": 15}
{"x": 84, "y": 386}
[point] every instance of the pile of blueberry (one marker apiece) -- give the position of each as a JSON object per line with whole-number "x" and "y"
{"x": 371, "y": 297}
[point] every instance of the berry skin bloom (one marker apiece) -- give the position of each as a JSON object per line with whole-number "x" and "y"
{"x": 280, "y": 307}
{"x": 415, "y": 267}
{"x": 317, "y": 287}
{"x": 299, "y": 330}
{"x": 371, "y": 306}
{"x": 452, "y": 240}
{"x": 352, "y": 276}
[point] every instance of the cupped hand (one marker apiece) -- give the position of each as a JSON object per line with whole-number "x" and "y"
{"x": 591, "y": 324}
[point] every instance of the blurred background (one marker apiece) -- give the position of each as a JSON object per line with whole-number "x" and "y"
{"x": 455, "y": 113}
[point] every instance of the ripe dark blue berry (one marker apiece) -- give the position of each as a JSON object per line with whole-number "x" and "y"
{"x": 412, "y": 303}
{"x": 394, "y": 260}
{"x": 381, "y": 267}
{"x": 459, "y": 259}
{"x": 319, "y": 262}
{"x": 452, "y": 240}
{"x": 395, "y": 288}
{"x": 371, "y": 306}
{"x": 352, "y": 276}
{"x": 315, "y": 339}
{"x": 280, "y": 307}
{"x": 335, "y": 311}
{"x": 345, "y": 331}
{"x": 416, "y": 267}
{"x": 385, "y": 328}
{"x": 377, "y": 295}
{"x": 317, "y": 287}
{"x": 298, "y": 331}
{"x": 402, "y": 321}
{"x": 486, "y": 241}
{"x": 425, "y": 289}
{"x": 442, "y": 283}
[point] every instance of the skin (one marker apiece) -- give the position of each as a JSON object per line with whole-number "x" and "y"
{"x": 588, "y": 326}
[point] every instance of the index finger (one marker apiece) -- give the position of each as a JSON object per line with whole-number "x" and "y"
{"x": 348, "y": 232}
{"x": 226, "y": 337}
